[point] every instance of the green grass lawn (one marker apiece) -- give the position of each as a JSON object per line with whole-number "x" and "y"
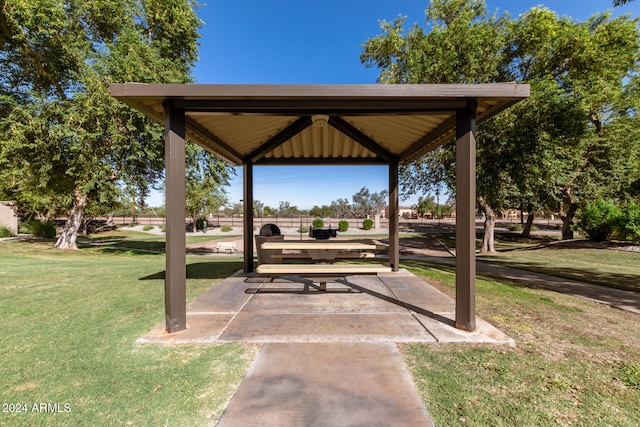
{"x": 601, "y": 266}
{"x": 575, "y": 362}
{"x": 71, "y": 319}
{"x": 136, "y": 241}
{"x": 606, "y": 267}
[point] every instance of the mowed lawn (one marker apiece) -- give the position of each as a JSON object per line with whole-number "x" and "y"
{"x": 69, "y": 357}
{"x": 607, "y": 267}
{"x": 72, "y": 318}
{"x": 575, "y": 363}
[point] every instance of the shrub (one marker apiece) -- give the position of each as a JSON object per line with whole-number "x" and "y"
{"x": 343, "y": 225}
{"x": 514, "y": 227}
{"x": 367, "y": 224}
{"x": 4, "y": 232}
{"x": 317, "y": 223}
{"x": 226, "y": 228}
{"x": 42, "y": 229}
{"x": 163, "y": 228}
{"x": 628, "y": 225}
{"x": 24, "y": 227}
{"x": 200, "y": 224}
{"x": 598, "y": 220}
{"x": 147, "y": 228}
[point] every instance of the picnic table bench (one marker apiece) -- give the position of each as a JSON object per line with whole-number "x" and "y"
{"x": 322, "y": 273}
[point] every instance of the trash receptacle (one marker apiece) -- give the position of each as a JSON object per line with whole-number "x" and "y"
{"x": 268, "y": 256}
{"x": 270, "y": 230}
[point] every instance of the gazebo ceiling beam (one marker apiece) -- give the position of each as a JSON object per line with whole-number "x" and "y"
{"x": 220, "y": 146}
{"x": 280, "y": 138}
{"x": 320, "y": 161}
{"x": 361, "y": 138}
{"x": 321, "y": 106}
{"x": 428, "y": 141}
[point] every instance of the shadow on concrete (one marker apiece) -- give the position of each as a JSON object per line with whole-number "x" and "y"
{"x": 399, "y": 302}
{"x": 204, "y": 270}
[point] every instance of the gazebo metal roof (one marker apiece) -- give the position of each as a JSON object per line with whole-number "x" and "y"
{"x": 273, "y": 124}
{"x": 319, "y": 124}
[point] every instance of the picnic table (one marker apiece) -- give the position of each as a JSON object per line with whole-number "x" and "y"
{"x": 322, "y": 254}
{"x": 322, "y": 250}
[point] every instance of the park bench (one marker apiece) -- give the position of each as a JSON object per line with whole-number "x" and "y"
{"x": 225, "y": 246}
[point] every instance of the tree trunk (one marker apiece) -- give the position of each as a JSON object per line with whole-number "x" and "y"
{"x": 567, "y": 221}
{"x": 567, "y": 215}
{"x": 67, "y": 239}
{"x": 489, "y": 227}
{"x": 526, "y": 231}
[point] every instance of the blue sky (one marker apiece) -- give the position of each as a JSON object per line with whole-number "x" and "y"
{"x": 296, "y": 41}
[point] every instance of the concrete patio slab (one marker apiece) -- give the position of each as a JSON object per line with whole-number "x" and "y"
{"x": 389, "y": 307}
{"x": 326, "y": 358}
{"x": 327, "y": 384}
{"x": 201, "y": 329}
{"x": 325, "y": 327}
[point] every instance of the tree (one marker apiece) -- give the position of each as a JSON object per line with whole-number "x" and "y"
{"x": 427, "y": 206}
{"x": 206, "y": 175}
{"x": 556, "y": 148}
{"x": 617, "y": 3}
{"x": 340, "y": 208}
{"x": 323, "y": 211}
{"x": 366, "y": 204}
{"x": 465, "y": 45}
{"x": 66, "y": 144}
{"x": 570, "y": 138}
{"x": 259, "y": 208}
{"x": 286, "y": 210}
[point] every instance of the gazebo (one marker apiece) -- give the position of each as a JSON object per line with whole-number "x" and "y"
{"x": 253, "y": 125}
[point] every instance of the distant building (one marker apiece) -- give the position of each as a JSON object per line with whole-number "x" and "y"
{"x": 406, "y": 212}
{"x": 8, "y": 216}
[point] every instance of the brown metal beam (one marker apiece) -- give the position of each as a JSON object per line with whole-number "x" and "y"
{"x": 369, "y": 143}
{"x": 313, "y": 161}
{"x": 208, "y": 137}
{"x": 466, "y": 218}
{"x": 280, "y": 138}
{"x": 247, "y": 215}
{"x": 297, "y": 107}
{"x": 367, "y": 94}
{"x": 428, "y": 142}
{"x": 394, "y": 219}
{"x": 175, "y": 252}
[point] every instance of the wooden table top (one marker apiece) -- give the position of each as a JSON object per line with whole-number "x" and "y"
{"x": 345, "y": 245}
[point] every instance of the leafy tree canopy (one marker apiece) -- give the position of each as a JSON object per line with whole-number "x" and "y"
{"x": 66, "y": 144}
{"x": 566, "y": 142}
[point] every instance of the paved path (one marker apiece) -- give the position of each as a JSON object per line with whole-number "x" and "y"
{"x": 327, "y": 385}
{"x": 326, "y": 358}
{"x": 624, "y": 300}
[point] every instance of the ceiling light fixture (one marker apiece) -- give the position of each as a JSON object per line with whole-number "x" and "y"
{"x": 320, "y": 120}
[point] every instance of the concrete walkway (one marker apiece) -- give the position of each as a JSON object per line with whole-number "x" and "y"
{"x": 326, "y": 358}
{"x": 327, "y": 384}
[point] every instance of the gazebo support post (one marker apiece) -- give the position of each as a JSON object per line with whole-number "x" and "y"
{"x": 394, "y": 221}
{"x": 466, "y": 217}
{"x": 247, "y": 215}
{"x": 175, "y": 253}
